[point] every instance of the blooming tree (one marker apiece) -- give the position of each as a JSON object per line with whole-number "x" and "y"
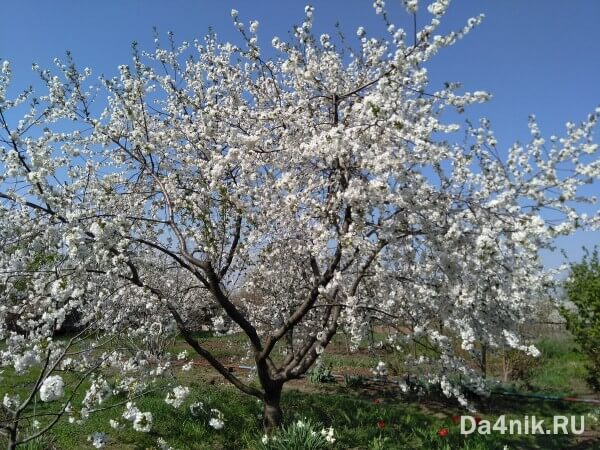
{"x": 294, "y": 193}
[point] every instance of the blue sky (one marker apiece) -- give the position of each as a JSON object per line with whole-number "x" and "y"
{"x": 534, "y": 56}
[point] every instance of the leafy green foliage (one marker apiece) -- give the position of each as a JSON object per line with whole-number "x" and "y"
{"x": 300, "y": 435}
{"x": 355, "y": 381}
{"x": 521, "y": 366}
{"x": 320, "y": 374}
{"x": 583, "y": 290}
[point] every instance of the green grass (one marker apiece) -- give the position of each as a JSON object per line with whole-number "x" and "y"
{"x": 354, "y": 417}
{"x": 409, "y": 423}
{"x": 561, "y": 369}
{"x": 177, "y": 426}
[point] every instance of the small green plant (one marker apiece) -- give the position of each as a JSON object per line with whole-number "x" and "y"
{"x": 354, "y": 381}
{"x": 43, "y": 442}
{"x": 300, "y": 435}
{"x": 320, "y": 374}
{"x": 379, "y": 443}
{"x": 519, "y": 366}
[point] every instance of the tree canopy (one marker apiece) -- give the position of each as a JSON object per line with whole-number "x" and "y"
{"x": 295, "y": 194}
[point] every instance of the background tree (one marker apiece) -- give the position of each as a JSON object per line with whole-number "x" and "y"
{"x": 582, "y": 289}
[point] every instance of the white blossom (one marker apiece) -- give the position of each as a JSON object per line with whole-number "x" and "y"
{"x": 52, "y": 388}
{"x": 142, "y": 422}
{"x": 11, "y": 402}
{"x": 98, "y": 439}
{"x": 216, "y": 423}
{"x": 327, "y": 433}
{"x": 177, "y": 396}
{"x": 131, "y": 411}
{"x": 380, "y": 370}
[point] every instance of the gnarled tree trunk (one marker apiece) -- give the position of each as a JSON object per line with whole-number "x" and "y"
{"x": 272, "y": 414}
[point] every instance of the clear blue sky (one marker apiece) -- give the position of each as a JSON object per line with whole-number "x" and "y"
{"x": 534, "y": 56}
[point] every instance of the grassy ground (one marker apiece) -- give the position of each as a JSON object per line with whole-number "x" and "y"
{"x": 561, "y": 369}
{"x": 376, "y": 417}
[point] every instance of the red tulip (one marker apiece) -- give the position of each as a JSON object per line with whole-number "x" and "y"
{"x": 456, "y": 419}
{"x": 477, "y": 420}
{"x": 376, "y": 400}
{"x": 381, "y": 424}
{"x": 442, "y": 432}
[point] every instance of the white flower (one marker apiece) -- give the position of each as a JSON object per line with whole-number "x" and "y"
{"x": 143, "y": 422}
{"x": 412, "y": 6}
{"x": 217, "y": 424}
{"x": 52, "y": 388}
{"x": 162, "y": 444}
{"x": 177, "y": 396}
{"x": 187, "y": 366}
{"x": 196, "y": 408}
{"x": 97, "y": 392}
{"x": 218, "y": 323}
{"x": 116, "y": 424}
{"x": 327, "y": 433}
{"x": 265, "y": 439}
{"x": 378, "y": 5}
{"x": 216, "y": 420}
{"x": 253, "y": 26}
{"x": 98, "y": 439}
{"x": 182, "y": 355}
{"x": 439, "y": 7}
{"x": 25, "y": 361}
{"x": 11, "y": 402}
{"x": 380, "y": 370}
{"x": 131, "y": 411}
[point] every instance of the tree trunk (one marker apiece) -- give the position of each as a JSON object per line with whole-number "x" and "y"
{"x": 272, "y": 415}
{"x": 483, "y": 362}
{"x": 12, "y": 438}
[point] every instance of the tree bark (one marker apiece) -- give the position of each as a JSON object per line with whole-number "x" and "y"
{"x": 483, "y": 362}
{"x": 272, "y": 414}
{"x": 12, "y": 438}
